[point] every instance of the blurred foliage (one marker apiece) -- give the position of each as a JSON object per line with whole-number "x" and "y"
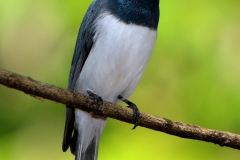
{"x": 193, "y": 77}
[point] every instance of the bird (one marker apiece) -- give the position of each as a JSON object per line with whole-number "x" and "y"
{"x": 115, "y": 41}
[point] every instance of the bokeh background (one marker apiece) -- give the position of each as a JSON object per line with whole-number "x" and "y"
{"x": 193, "y": 77}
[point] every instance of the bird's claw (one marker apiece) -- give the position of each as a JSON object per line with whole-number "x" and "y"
{"x": 136, "y": 113}
{"x": 95, "y": 99}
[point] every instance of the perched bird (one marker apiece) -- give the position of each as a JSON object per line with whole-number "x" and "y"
{"x": 114, "y": 44}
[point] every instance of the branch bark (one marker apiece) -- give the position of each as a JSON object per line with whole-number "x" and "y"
{"x": 115, "y": 111}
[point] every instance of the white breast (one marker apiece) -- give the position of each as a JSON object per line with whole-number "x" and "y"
{"x": 117, "y": 59}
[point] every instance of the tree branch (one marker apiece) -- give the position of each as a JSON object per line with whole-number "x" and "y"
{"x": 51, "y": 92}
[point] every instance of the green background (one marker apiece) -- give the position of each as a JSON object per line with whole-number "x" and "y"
{"x": 193, "y": 76}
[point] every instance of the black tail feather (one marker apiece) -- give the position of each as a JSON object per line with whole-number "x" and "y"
{"x": 74, "y": 142}
{"x": 69, "y": 125}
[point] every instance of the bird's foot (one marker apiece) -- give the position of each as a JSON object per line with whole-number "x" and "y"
{"x": 136, "y": 113}
{"x": 97, "y": 102}
{"x": 95, "y": 99}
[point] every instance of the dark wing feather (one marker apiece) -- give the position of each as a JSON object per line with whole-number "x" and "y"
{"x": 83, "y": 46}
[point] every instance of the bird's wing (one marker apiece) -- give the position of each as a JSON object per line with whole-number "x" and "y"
{"x": 82, "y": 49}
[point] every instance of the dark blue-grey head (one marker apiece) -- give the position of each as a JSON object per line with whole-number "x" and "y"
{"x": 140, "y": 12}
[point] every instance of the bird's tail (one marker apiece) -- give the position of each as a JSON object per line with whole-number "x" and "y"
{"x": 91, "y": 153}
{"x": 89, "y": 132}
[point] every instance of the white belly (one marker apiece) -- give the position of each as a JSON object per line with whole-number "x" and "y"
{"x": 117, "y": 59}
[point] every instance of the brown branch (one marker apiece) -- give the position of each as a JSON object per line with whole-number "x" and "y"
{"x": 51, "y": 92}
